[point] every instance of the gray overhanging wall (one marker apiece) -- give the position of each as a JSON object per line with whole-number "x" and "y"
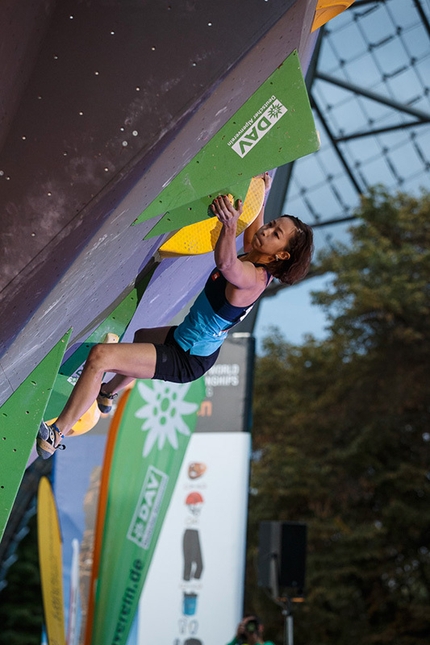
{"x": 103, "y": 102}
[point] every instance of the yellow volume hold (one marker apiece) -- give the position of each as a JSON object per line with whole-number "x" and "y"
{"x": 201, "y": 237}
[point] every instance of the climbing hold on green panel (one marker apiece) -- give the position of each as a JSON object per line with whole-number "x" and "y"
{"x": 197, "y": 211}
{"x": 20, "y": 417}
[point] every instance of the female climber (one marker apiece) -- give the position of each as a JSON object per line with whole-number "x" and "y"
{"x": 281, "y": 249}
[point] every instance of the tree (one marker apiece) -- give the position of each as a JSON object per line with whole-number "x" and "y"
{"x": 21, "y": 609}
{"x": 342, "y": 438}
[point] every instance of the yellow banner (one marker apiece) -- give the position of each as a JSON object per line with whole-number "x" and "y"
{"x": 50, "y": 561}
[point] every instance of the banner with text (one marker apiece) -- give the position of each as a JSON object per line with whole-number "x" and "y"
{"x": 152, "y": 439}
{"x": 196, "y": 579}
{"x": 193, "y": 594}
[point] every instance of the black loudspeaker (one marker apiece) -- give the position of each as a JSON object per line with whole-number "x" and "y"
{"x": 282, "y": 556}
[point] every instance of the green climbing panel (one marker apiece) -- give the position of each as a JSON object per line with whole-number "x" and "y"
{"x": 273, "y": 127}
{"x": 196, "y": 211}
{"x": 116, "y": 323}
{"x": 20, "y": 418}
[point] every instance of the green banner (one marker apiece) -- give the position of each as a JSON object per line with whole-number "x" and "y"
{"x": 152, "y": 438}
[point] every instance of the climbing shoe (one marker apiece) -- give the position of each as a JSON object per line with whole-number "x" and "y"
{"x": 46, "y": 439}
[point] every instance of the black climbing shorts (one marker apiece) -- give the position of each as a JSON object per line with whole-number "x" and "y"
{"x": 176, "y": 365}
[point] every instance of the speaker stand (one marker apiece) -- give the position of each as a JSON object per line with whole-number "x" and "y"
{"x": 284, "y": 602}
{"x": 289, "y": 623}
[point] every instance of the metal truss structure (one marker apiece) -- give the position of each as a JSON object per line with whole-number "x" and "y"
{"x": 369, "y": 88}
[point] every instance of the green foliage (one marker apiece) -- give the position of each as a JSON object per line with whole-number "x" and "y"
{"x": 342, "y": 438}
{"x": 21, "y": 609}
{"x": 381, "y": 282}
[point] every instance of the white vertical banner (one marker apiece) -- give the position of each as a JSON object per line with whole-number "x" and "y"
{"x": 194, "y": 590}
{"x": 74, "y": 613}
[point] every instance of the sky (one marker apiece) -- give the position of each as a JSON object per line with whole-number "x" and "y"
{"x": 384, "y": 48}
{"x": 292, "y": 311}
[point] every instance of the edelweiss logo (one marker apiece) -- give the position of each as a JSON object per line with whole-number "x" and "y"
{"x": 162, "y": 411}
{"x": 258, "y": 126}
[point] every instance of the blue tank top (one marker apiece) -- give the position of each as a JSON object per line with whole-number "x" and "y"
{"x": 205, "y": 327}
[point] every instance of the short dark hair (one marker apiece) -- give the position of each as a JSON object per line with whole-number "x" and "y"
{"x": 301, "y": 248}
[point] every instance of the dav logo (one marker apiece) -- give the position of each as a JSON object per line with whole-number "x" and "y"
{"x": 73, "y": 378}
{"x": 257, "y": 127}
{"x": 148, "y": 507}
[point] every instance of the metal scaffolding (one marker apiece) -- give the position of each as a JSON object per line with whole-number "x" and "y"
{"x": 369, "y": 89}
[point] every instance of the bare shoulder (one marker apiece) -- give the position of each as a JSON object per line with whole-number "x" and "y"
{"x": 250, "y": 289}
{"x": 259, "y": 270}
